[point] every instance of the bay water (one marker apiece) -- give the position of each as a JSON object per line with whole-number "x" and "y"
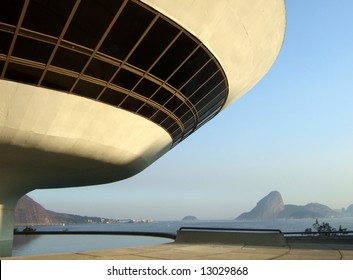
{"x": 26, "y": 245}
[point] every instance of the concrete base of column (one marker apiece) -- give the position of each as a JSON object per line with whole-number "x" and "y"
{"x": 7, "y": 221}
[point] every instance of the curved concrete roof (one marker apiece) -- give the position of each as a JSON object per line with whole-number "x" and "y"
{"x": 245, "y": 36}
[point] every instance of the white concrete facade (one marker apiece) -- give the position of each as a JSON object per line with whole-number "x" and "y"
{"x": 50, "y": 139}
{"x": 245, "y": 35}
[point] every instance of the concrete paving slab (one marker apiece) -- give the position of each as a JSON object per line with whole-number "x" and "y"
{"x": 347, "y": 255}
{"x": 180, "y": 251}
{"x": 311, "y": 254}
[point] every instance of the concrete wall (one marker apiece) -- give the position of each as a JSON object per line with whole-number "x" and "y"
{"x": 230, "y": 237}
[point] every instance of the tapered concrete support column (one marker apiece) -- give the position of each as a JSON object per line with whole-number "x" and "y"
{"x": 7, "y": 221}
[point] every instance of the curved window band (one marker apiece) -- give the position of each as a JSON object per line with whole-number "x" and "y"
{"x": 193, "y": 92}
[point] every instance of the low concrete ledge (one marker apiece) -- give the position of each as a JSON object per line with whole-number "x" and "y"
{"x": 5, "y": 248}
{"x": 258, "y": 238}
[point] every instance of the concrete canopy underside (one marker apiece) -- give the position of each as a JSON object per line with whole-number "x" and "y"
{"x": 52, "y": 140}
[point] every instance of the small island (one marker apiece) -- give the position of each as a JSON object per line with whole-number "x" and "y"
{"x": 189, "y": 218}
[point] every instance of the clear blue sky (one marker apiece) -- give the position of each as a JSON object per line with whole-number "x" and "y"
{"x": 293, "y": 132}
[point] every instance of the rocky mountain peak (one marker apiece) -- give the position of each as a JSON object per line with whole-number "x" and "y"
{"x": 267, "y": 208}
{"x": 30, "y": 212}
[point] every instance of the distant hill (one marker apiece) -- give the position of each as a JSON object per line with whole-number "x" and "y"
{"x": 350, "y": 210}
{"x": 272, "y": 207}
{"x": 189, "y": 218}
{"x": 311, "y": 210}
{"x": 267, "y": 208}
{"x": 29, "y": 212}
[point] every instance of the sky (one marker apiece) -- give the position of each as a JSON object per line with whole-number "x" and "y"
{"x": 293, "y": 132}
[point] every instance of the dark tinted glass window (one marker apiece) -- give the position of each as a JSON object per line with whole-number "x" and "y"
{"x": 126, "y": 32}
{"x": 199, "y": 79}
{"x": 131, "y": 104}
{"x": 23, "y": 73}
{"x": 87, "y": 89}
{"x": 187, "y": 117}
{"x": 100, "y": 69}
{"x": 84, "y": 28}
{"x": 176, "y": 134}
{"x": 5, "y": 42}
{"x": 168, "y": 122}
{"x": 2, "y": 63}
{"x": 32, "y": 49}
{"x": 206, "y": 88}
{"x": 147, "y": 110}
{"x": 71, "y": 60}
{"x": 210, "y": 108}
{"x": 58, "y": 81}
{"x": 146, "y": 88}
{"x": 210, "y": 85}
{"x": 194, "y": 63}
{"x": 189, "y": 125}
{"x": 201, "y": 94}
{"x": 159, "y": 117}
{"x": 173, "y": 103}
{"x": 48, "y": 17}
{"x": 162, "y": 96}
{"x": 216, "y": 93}
{"x": 126, "y": 79}
{"x": 175, "y": 130}
{"x": 10, "y": 11}
{"x": 182, "y": 110}
{"x": 211, "y": 105}
{"x": 177, "y": 53}
{"x": 157, "y": 39}
{"x": 112, "y": 97}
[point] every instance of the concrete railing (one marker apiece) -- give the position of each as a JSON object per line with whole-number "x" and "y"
{"x": 258, "y": 237}
{"x": 132, "y": 233}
